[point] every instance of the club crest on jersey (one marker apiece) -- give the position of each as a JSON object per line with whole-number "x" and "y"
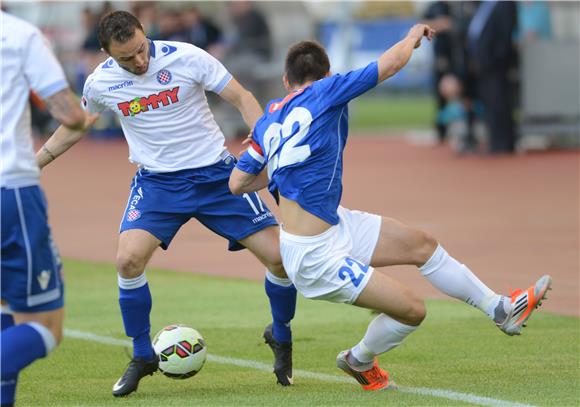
{"x": 164, "y": 76}
{"x": 133, "y": 215}
{"x": 153, "y": 101}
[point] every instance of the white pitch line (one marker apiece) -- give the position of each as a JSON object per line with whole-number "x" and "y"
{"x": 441, "y": 393}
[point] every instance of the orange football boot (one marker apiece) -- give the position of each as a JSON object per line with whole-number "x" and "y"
{"x": 373, "y": 379}
{"x": 523, "y": 303}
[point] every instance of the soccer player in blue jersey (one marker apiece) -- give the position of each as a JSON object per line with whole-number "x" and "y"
{"x": 32, "y": 285}
{"x": 330, "y": 252}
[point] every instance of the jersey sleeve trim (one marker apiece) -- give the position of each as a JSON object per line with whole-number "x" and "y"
{"x": 53, "y": 88}
{"x": 223, "y": 83}
{"x": 255, "y": 154}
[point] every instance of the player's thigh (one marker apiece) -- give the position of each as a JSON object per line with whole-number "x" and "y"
{"x": 265, "y": 245}
{"x": 53, "y": 320}
{"x": 388, "y": 296}
{"x": 158, "y": 203}
{"x": 401, "y": 244}
{"x": 238, "y": 218}
{"x": 134, "y": 250}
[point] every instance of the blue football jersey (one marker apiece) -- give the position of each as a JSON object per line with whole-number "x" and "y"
{"x": 301, "y": 138}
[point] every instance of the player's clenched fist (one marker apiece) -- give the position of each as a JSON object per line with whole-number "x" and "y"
{"x": 418, "y": 31}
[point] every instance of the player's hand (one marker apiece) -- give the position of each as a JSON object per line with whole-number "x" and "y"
{"x": 248, "y": 138}
{"x": 418, "y": 31}
{"x": 90, "y": 119}
{"x": 246, "y": 143}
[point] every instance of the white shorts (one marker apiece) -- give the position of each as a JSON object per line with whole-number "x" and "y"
{"x": 333, "y": 266}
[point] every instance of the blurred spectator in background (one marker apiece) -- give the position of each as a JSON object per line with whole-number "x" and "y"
{"x": 251, "y": 32}
{"x": 202, "y": 32}
{"x": 171, "y": 26}
{"x": 533, "y": 21}
{"x": 490, "y": 47}
{"x": 451, "y": 21}
{"x": 249, "y": 52}
{"x": 91, "y": 22}
{"x": 146, "y": 12}
{"x": 438, "y": 16}
{"x": 459, "y": 116}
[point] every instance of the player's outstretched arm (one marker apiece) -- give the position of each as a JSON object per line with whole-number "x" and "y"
{"x": 244, "y": 101}
{"x": 396, "y": 57}
{"x": 63, "y": 139}
{"x": 243, "y": 182}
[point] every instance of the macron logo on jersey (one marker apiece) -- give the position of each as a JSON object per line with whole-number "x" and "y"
{"x": 120, "y": 86}
{"x": 144, "y": 103}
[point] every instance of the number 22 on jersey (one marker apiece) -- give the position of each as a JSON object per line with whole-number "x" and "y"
{"x": 276, "y": 134}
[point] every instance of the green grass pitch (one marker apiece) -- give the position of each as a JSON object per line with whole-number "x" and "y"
{"x": 456, "y": 353}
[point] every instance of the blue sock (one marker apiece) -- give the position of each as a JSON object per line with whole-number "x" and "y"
{"x": 282, "y": 295}
{"x": 135, "y": 301}
{"x": 21, "y": 345}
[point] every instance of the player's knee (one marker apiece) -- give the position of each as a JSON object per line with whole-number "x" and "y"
{"x": 130, "y": 265}
{"x": 277, "y": 269}
{"x": 416, "y": 312}
{"x": 57, "y": 333}
{"x": 419, "y": 312}
{"x": 273, "y": 262}
{"x": 424, "y": 247}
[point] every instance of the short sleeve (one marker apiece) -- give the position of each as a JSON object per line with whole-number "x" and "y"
{"x": 208, "y": 71}
{"x": 41, "y": 68}
{"x": 252, "y": 161}
{"x": 89, "y": 101}
{"x": 340, "y": 89}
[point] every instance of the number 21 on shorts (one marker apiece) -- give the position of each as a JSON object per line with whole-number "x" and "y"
{"x": 348, "y": 271}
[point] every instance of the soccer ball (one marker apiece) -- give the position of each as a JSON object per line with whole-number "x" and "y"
{"x": 182, "y": 351}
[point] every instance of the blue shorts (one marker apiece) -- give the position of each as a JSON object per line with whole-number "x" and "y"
{"x": 31, "y": 267}
{"x": 161, "y": 203}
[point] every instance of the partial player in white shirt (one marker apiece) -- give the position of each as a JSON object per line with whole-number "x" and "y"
{"x": 157, "y": 89}
{"x": 32, "y": 288}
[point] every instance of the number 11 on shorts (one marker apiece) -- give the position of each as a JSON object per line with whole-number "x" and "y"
{"x": 252, "y": 205}
{"x": 347, "y": 271}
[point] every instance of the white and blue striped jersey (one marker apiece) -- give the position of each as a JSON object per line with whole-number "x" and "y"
{"x": 301, "y": 138}
{"x": 26, "y": 63}
{"x": 164, "y": 112}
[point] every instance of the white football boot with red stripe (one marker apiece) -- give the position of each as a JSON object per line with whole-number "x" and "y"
{"x": 523, "y": 303}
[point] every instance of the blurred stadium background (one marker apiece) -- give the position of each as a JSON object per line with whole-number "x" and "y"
{"x": 252, "y": 38}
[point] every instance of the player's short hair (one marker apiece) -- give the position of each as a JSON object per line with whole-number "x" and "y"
{"x": 117, "y": 26}
{"x": 306, "y": 61}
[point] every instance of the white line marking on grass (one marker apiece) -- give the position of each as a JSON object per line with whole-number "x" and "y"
{"x": 446, "y": 394}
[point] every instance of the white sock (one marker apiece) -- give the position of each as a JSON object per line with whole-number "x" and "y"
{"x": 47, "y": 336}
{"x": 457, "y": 281}
{"x": 383, "y": 334}
{"x": 132, "y": 283}
{"x": 284, "y": 282}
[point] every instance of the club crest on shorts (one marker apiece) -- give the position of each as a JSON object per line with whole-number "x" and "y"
{"x": 164, "y": 76}
{"x": 133, "y": 215}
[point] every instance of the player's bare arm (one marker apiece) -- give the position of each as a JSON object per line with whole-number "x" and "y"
{"x": 396, "y": 57}
{"x": 63, "y": 139}
{"x": 244, "y": 101}
{"x": 65, "y": 108}
{"x": 243, "y": 182}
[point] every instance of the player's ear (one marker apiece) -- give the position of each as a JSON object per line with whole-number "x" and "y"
{"x": 286, "y": 83}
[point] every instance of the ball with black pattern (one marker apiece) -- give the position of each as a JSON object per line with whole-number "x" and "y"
{"x": 181, "y": 351}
